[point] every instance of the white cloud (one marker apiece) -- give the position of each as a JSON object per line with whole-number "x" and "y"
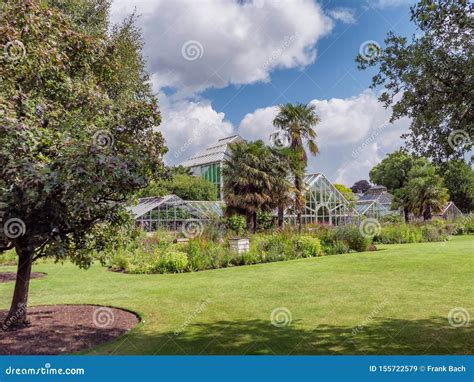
{"x": 188, "y": 127}
{"x": 354, "y": 134}
{"x": 346, "y": 15}
{"x": 234, "y": 43}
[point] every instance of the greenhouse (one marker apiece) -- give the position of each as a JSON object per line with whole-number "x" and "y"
{"x": 372, "y": 209}
{"x": 324, "y": 204}
{"x": 171, "y": 212}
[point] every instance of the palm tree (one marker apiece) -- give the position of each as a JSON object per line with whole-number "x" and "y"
{"x": 424, "y": 193}
{"x": 248, "y": 180}
{"x": 298, "y": 121}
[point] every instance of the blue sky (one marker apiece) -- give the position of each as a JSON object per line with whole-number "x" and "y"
{"x": 220, "y": 67}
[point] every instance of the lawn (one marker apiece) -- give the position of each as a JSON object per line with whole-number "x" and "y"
{"x": 393, "y": 301}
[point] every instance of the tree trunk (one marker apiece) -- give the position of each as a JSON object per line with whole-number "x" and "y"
{"x": 427, "y": 214}
{"x": 406, "y": 213}
{"x": 254, "y": 221}
{"x": 17, "y": 316}
{"x": 281, "y": 216}
{"x": 298, "y": 186}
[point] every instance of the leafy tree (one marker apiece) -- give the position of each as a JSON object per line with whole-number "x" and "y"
{"x": 298, "y": 121}
{"x": 346, "y": 192}
{"x": 393, "y": 172}
{"x": 459, "y": 180}
{"x": 254, "y": 176}
{"x": 187, "y": 187}
{"x": 424, "y": 192}
{"x": 360, "y": 186}
{"x": 77, "y": 136}
{"x": 430, "y": 78}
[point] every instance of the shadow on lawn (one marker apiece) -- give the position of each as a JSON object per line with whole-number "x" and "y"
{"x": 388, "y": 336}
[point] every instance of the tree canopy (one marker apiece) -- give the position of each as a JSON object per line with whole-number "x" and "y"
{"x": 187, "y": 187}
{"x": 430, "y": 78}
{"x": 459, "y": 180}
{"x": 78, "y": 132}
{"x": 254, "y": 180}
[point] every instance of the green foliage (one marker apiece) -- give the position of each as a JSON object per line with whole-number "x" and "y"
{"x": 436, "y": 230}
{"x": 298, "y": 121}
{"x": 392, "y": 172}
{"x": 265, "y": 220}
{"x": 424, "y": 193}
{"x": 433, "y": 75}
{"x": 8, "y": 258}
{"x": 236, "y": 223}
{"x": 399, "y": 234}
{"x": 171, "y": 262}
{"x": 352, "y": 237}
{"x": 459, "y": 180}
{"x": 254, "y": 180}
{"x": 78, "y": 127}
{"x": 185, "y": 186}
{"x": 307, "y": 246}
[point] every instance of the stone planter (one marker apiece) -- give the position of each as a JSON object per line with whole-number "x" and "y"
{"x": 239, "y": 245}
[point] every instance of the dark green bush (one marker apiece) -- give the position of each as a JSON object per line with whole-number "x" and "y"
{"x": 265, "y": 221}
{"x": 353, "y": 238}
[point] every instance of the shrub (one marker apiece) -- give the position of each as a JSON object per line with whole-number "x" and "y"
{"x": 399, "y": 234}
{"x": 432, "y": 233}
{"x": 236, "y": 223}
{"x": 335, "y": 248}
{"x": 171, "y": 262}
{"x": 307, "y": 246}
{"x": 8, "y": 258}
{"x": 265, "y": 221}
{"x": 353, "y": 238}
{"x": 277, "y": 247}
{"x": 197, "y": 259}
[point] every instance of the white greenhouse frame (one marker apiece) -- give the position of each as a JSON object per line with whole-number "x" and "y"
{"x": 324, "y": 204}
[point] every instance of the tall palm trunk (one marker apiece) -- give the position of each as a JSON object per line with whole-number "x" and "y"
{"x": 281, "y": 216}
{"x": 298, "y": 201}
{"x": 17, "y": 316}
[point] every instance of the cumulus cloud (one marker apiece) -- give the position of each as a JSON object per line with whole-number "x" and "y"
{"x": 346, "y": 15}
{"x": 188, "y": 127}
{"x": 195, "y": 45}
{"x": 354, "y": 134}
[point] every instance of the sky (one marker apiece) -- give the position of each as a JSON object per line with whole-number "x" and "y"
{"x": 220, "y": 67}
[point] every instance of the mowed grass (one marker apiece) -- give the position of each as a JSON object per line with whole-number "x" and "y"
{"x": 393, "y": 301}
